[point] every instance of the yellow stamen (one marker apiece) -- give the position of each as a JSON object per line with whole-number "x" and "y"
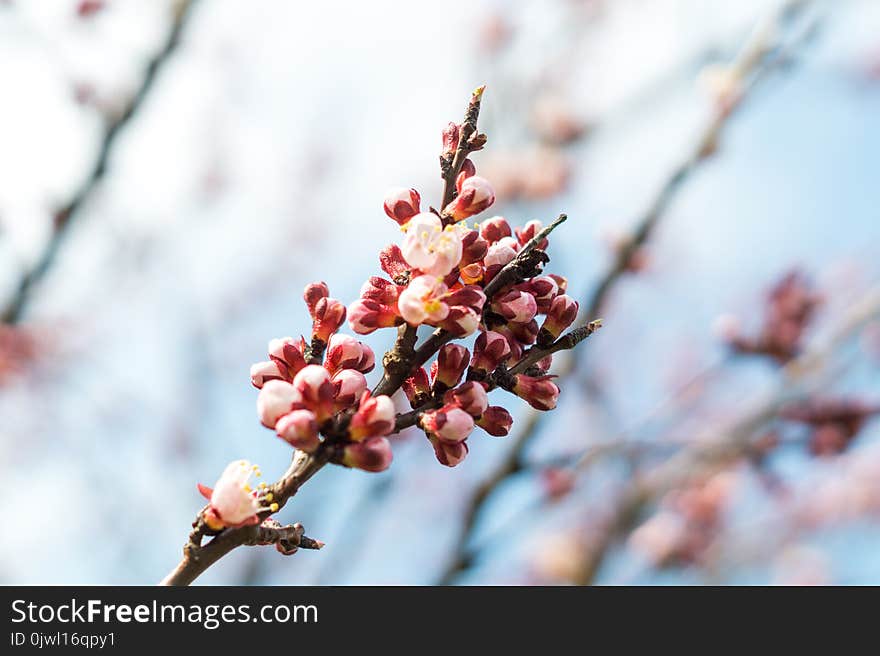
{"x": 274, "y": 507}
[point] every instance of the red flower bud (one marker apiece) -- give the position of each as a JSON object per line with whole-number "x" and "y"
{"x": 471, "y": 273}
{"x": 515, "y": 305}
{"x": 461, "y": 321}
{"x": 562, "y": 313}
{"x": 498, "y": 255}
{"x": 313, "y": 293}
{"x": 348, "y": 387}
{"x": 381, "y": 290}
{"x": 449, "y": 453}
{"x": 315, "y": 390}
{"x": 329, "y": 315}
{"x": 490, "y": 350}
{"x": 448, "y": 424}
{"x": 528, "y": 231}
{"x": 470, "y": 397}
{"x": 345, "y": 352}
{"x": 495, "y": 229}
{"x": 417, "y": 387}
{"x": 262, "y": 372}
{"x": 276, "y": 399}
{"x": 392, "y": 262}
{"x": 524, "y": 333}
{"x": 366, "y": 315}
{"x": 372, "y": 455}
{"x": 450, "y": 138}
{"x": 402, "y": 204}
{"x": 562, "y": 281}
{"x": 541, "y": 393}
{"x": 543, "y": 288}
{"x": 287, "y": 353}
{"x": 447, "y": 369}
{"x": 468, "y": 170}
{"x": 473, "y": 248}
{"x": 299, "y": 428}
{"x": 374, "y": 418}
{"x": 475, "y": 195}
{"x": 469, "y": 296}
{"x": 496, "y": 421}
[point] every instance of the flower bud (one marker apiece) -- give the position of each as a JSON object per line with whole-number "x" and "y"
{"x": 299, "y": 428}
{"x": 430, "y": 247}
{"x": 561, "y": 281}
{"x": 539, "y": 392}
{"x": 469, "y": 296}
{"x": 468, "y": 170}
{"x": 372, "y": 455}
{"x": 313, "y": 293}
{"x": 276, "y": 399}
{"x": 461, "y": 321}
{"x": 543, "y": 288}
{"x": 528, "y": 231}
{"x": 450, "y": 138}
{"x": 448, "y": 368}
{"x": 348, "y": 387}
{"x": 498, "y": 255}
{"x": 417, "y": 387}
{"x": 287, "y": 353}
{"x": 366, "y": 315}
{"x": 449, "y": 423}
{"x": 422, "y": 301}
{"x": 392, "y": 262}
{"x": 470, "y": 397}
{"x": 329, "y": 315}
{"x": 515, "y": 305}
{"x": 496, "y": 421}
{"x": 374, "y": 417}
{"x": 490, "y": 350}
{"x": 516, "y": 349}
{"x": 449, "y": 453}
{"x": 495, "y": 229}
{"x": 262, "y": 372}
{"x": 345, "y": 352}
{"x": 525, "y": 333}
{"x": 473, "y": 248}
{"x": 475, "y": 195}
{"x": 562, "y": 313}
{"x": 402, "y": 204}
{"x": 381, "y": 290}
{"x": 316, "y": 391}
{"x": 472, "y": 273}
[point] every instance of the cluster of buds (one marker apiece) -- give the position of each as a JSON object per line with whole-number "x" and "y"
{"x": 833, "y": 422}
{"x": 303, "y": 388}
{"x": 791, "y": 304}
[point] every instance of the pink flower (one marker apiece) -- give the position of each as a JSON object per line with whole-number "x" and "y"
{"x": 299, "y": 428}
{"x": 516, "y": 306}
{"x": 374, "y": 417}
{"x": 422, "y": 301}
{"x": 402, "y": 204}
{"x": 561, "y": 314}
{"x": 348, "y": 385}
{"x": 539, "y": 392}
{"x": 315, "y": 390}
{"x": 366, "y": 315}
{"x": 543, "y": 288}
{"x": 417, "y": 387}
{"x": 449, "y": 453}
{"x": 449, "y": 423}
{"x": 372, "y": 455}
{"x": 276, "y": 399}
{"x": 430, "y": 247}
{"x": 497, "y": 256}
{"x": 470, "y": 397}
{"x": 328, "y": 317}
{"x": 262, "y": 372}
{"x": 232, "y": 502}
{"x": 495, "y": 229}
{"x": 345, "y": 352}
{"x": 496, "y": 421}
{"x": 475, "y": 195}
{"x": 490, "y": 350}
{"x": 448, "y": 368}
